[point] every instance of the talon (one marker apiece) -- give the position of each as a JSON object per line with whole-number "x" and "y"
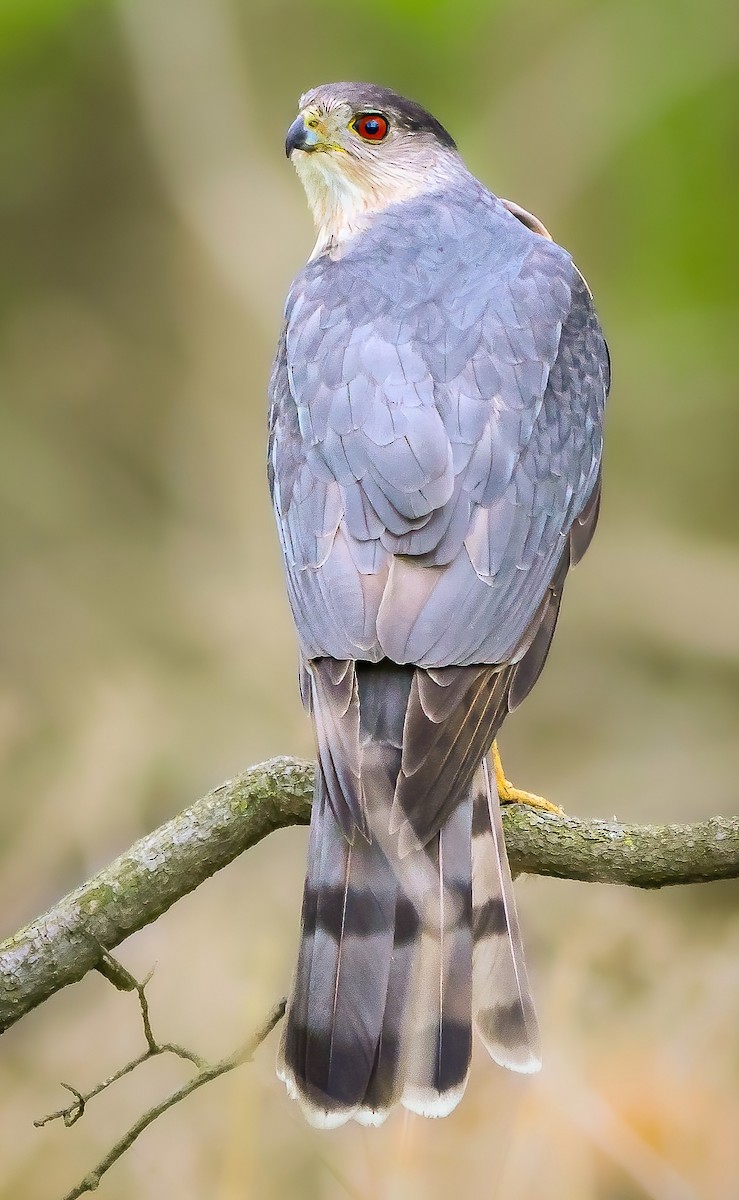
{"x": 508, "y": 794}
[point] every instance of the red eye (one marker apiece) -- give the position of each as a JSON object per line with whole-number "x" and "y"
{"x": 372, "y": 127}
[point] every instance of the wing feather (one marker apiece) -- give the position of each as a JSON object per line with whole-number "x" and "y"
{"x": 461, "y": 432}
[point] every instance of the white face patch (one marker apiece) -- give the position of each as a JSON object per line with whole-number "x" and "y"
{"x": 347, "y": 181}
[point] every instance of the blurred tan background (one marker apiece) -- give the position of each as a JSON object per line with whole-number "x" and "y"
{"x": 150, "y": 228}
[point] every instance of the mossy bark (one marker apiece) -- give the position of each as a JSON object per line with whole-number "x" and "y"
{"x": 65, "y": 943}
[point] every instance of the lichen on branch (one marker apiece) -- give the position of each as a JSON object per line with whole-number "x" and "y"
{"x": 69, "y": 940}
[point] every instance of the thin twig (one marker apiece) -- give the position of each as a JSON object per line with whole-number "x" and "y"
{"x": 205, "y": 1075}
{"x": 72, "y": 1113}
{"x": 122, "y": 979}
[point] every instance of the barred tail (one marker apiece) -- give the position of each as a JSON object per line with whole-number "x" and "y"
{"x": 503, "y": 1008}
{"x": 380, "y": 1010}
{"x": 385, "y": 987}
{"x": 439, "y": 1017}
{"x": 335, "y": 1013}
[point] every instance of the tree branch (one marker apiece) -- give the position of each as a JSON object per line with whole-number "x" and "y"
{"x": 60, "y": 947}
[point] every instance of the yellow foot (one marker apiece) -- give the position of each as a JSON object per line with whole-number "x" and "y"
{"x": 508, "y": 794}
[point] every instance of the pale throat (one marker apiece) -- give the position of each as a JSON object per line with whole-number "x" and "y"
{"x": 344, "y": 194}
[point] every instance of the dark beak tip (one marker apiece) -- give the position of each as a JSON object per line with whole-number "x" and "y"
{"x": 296, "y": 136}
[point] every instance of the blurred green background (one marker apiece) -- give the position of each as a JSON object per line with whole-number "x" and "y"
{"x": 150, "y": 228}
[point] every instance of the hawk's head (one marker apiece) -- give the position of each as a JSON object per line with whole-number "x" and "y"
{"x": 359, "y": 148}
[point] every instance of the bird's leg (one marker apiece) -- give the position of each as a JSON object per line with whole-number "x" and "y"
{"x": 508, "y": 794}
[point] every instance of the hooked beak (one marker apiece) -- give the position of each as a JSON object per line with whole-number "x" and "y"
{"x": 300, "y": 137}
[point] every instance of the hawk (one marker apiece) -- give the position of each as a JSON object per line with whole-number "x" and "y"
{"x": 435, "y": 447}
